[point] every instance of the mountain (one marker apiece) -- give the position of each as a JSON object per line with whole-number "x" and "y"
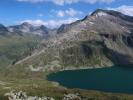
{"x": 3, "y": 30}
{"x": 112, "y": 29}
{"x": 104, "y": 38}
{"x": 28, "y": 28}
{"x": 114, "y": 13}
{"x": 16, "y": 43}
{"x": 65, "y": 27}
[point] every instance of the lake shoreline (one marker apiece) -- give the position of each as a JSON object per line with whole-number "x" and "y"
{"x": 104, "y": 72}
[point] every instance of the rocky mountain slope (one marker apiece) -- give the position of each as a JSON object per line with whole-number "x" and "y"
{"x": 15, "y": 45}
{"x": 112, "y": 29}
{"x": 102, "y": 39}
{"x": 20, "y": 41}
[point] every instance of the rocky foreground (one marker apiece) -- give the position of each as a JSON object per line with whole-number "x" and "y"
{"x": 23, "y": 96}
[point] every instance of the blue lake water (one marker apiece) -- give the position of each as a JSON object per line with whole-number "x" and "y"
{"x": 114, "y": 79}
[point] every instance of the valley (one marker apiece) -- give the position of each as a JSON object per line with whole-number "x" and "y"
{"x": 29, "y": 53}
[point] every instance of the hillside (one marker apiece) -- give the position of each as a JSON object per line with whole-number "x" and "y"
{"x": 15, "y": 46}
{"x": 102, "y": 39}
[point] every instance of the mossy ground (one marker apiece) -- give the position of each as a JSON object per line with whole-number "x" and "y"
{"x": 35, "y": 86}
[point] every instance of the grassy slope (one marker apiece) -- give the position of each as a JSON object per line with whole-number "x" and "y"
{"x": 14, "y": 47}
{"x": 37, "y": 84}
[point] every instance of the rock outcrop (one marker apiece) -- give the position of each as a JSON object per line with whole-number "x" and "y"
{"x": 72, "y": 97}
{"x": 22, "y": 96}
{"x": 104, "y": 38}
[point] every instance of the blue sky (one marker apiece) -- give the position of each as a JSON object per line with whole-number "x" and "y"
{"x": 53, "y": 13}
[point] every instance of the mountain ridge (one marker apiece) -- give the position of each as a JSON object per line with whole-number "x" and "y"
{"x": 98, "y": 40}
{"x": 29, "y": 28}
{"x": 104, "y": 33}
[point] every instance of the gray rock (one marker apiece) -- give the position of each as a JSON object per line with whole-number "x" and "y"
{"x": 71, "y": 97}
{"x": 22, "y": 96}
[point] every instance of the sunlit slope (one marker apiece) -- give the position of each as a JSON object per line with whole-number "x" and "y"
{"x": 16, "y": 47}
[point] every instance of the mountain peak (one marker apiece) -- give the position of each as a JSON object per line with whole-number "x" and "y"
{"x": 26, "y": 24}
{"x": 100, "y": 12}
{"x": 108, "y": 12}
{"x": 42, "y": 26}
{"x": 3, "y": 28}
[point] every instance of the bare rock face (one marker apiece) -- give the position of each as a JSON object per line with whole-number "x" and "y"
{"x": 104, "y": 38}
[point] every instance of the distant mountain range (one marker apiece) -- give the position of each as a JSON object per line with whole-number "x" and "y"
{"x": 104, "y": 38}
{"x": 25, "y": 28}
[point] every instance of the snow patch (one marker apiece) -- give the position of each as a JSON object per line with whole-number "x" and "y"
{"x": 101, "y": 14}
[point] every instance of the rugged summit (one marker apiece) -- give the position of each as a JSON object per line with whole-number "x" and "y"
{"x": 28, "y": 28}
{"x": 113, "y": 30}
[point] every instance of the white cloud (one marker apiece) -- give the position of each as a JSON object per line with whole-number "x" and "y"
{"x": 62, "y": 2}
{"x": 32, "y": 1}
{"x": 128, "y": 10}
{"x": 50, "y": 23}
{"x": 40, "y": 15}
{"x": 60, "y": 13}
{"x": 69, "y": 12}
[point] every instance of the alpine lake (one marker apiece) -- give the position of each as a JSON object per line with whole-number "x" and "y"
{"x": 116, "y": 79}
